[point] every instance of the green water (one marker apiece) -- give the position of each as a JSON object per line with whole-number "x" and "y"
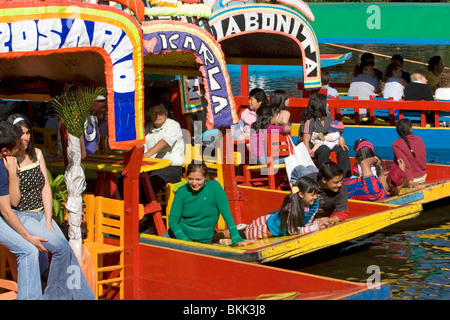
{"x": 412, "y": 256}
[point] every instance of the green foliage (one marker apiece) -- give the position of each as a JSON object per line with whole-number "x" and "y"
{"x": 59, "y": 193}
{"x": 73, "y": 108}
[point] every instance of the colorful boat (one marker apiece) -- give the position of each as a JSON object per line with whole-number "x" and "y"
{"x": 53, "y": 43}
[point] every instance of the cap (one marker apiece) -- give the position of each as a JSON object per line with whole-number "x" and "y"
{"x": 396, "y": 175}
{"x": 364, "y": 144}
{"x": 335, "y": 126}
{"x": 100, "y": 97}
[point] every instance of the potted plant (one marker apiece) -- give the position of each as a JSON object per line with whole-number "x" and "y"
{"x": 72, "y": 109}
{"x": 59, "y": 193}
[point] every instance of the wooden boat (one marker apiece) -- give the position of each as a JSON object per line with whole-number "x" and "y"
{"x": 109, "y": 47}
{"x": 364, "y": 218}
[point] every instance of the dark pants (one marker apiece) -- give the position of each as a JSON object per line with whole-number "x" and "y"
{"x": 159, "y": 178}
{"x": 343, "y": 160}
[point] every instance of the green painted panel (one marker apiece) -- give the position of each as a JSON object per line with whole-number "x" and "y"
{"x": 402, "y": 23}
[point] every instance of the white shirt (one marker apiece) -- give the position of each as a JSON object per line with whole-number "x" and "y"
{"x": 393, "y": 88}
{"x": 332, "y": 92}
{"x": 442, "y": 94}
{"x": 172, "y": 134}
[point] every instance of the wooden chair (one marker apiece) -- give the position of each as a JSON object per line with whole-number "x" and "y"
{"x": 108, "y": 240}
{"x": 269, "y": 175}
{"x": 10, "y": 289}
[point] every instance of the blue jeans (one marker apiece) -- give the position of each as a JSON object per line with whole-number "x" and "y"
{"x": 28, "y": 275}
{"x": 66, "y": 280}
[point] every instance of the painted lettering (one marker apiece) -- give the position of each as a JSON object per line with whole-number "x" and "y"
{"x": 106, "y": 36}
{"x": 49, "y": 30}
{"x": 208, "y": 57}
{"x": 77, "y": 36}
{"x": 24, "y": 34}
{"x": 251, "y": 22}
{"x": 189, "y": 44}
{"x": 123, "y": 76}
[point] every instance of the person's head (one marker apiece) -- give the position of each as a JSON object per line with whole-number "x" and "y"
{"x": 366, "y": 68}
{"x": 392, "y": 70}
{"x": 326, "y": 78}
{"x": 264, "y": 114}
{"x": 364, "y": 150}
{"x": 256, "y": 98}
{"x": 419, "y": 75}
{"x": 316, "y": 108}
{"x": 445, "y": 79}
{"x": 26, "y": 144}
{"x": 336, "y": 126}
{"x": 330, "y": 176}
{"x": 368, "y": 57}
{"x": 158, "y": 113}
{"x": 99, "y": 106}
{"x": 10, "y": 136}
{"x": 404, "y": 127}
{"x": 196, "y": 174}
{"x": 292, "y": 210}
{"x": 435, "y": 64}
{"x": 279, "y": 101}
{"x": 398, "y": 59}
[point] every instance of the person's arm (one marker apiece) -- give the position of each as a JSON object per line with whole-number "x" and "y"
{"x": 13, "y": 220}
{"x": 47, "y": 197}
{"x": 158, "y": 147}
{"x": 366, "y": 165}
{"x": 175, "y": 217}
{"x": 14, "y": 189}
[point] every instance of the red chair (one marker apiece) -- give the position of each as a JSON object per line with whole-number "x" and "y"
{"x": 270, "y": 175}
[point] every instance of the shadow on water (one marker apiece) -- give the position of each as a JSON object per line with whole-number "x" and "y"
{"x": 413, "y": 256}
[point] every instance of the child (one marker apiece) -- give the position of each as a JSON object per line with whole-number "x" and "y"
{"x": 325, "y": 84}
{"x": 331, "y": 139}
{"x": 364, "y": 149}
{"x": 257, "y": 98}
{"x": 260, "y": 128}
{"x": 296, "y": 215}
{"x": 412, "y": 151}
{"x": 279, "y": 102}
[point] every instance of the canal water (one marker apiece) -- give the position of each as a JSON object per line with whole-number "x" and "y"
{"x": 412, "y": 256}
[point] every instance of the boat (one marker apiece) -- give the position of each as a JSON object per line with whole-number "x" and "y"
{"x": 53, "y": 43}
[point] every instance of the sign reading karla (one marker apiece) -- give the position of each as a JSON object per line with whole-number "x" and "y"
{"x": 271, "y": 19}
{"x": 221, "y": 109}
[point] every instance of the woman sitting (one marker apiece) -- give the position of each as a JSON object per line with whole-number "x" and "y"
{"x": 196, "y": 208}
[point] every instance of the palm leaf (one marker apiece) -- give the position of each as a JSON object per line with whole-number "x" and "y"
{"x": 72, "y": 108}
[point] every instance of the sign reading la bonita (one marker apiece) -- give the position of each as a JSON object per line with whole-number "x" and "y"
{"x": 263, "y": 18}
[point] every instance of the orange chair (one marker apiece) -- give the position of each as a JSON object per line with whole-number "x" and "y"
{"x": 10, "y": 288}
{"x": 270, "y": 175}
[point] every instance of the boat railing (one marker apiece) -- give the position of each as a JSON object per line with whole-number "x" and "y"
{"x": 389, "y": 110}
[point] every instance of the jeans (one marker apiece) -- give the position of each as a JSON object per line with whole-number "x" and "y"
{"x": 66, "y": 280}
{"x": 300, "y": 171}
{"x": 28, "y": 275}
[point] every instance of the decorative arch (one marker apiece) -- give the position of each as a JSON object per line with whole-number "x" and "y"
{"x": 60, "y": 27}
{"x": 257, "y": 19}
{"x": 162, "y": 37}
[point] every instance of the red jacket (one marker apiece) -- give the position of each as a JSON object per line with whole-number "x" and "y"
{"x": 415, "y": 167}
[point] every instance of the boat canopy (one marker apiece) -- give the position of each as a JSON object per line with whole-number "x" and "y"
{"x": 382, "y": 23}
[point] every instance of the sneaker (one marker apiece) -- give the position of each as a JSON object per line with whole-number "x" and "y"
{"x": 241, "y": 226}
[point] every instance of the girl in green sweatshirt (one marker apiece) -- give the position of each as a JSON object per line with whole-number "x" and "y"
{"x": 196, "y": 208}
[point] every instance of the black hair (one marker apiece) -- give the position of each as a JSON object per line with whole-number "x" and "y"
{"x": 367, "y": 55}
{"x": 326, "y": 77}
{"x": 329, "y": 170}
{"x": 397, "y": 57}
{"x": 19, "y": 121}
{"x": 434, "y": 61}
{"x": 9, "y": 135}
{"x": 196, "y": 166}
{"x": 259, "y": 94}
{"x": 264, "y": 114}
{"x": 403, "y": 128}
{"x": 277, "y": 101}
{"x": 292, "y": 211}
{"x": 316, "y": 108}
{"x": 365, "y": 152}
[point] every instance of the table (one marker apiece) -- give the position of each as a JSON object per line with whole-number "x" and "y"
{"x": 109, "y": 166}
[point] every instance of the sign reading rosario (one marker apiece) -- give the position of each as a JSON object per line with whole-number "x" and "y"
{"x": 57, "y": 33}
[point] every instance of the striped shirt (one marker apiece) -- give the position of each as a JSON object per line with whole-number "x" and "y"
{"x": 368, "y": 188}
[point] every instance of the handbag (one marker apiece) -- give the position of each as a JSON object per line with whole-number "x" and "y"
{"x": 299, "y": 156}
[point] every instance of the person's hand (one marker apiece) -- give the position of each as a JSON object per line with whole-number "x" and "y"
{"x": 246, "y": 242}
{"x": 412, "y": 184}
{"x": 37, "y": 241}
{"x": 49, "y": 225}
{"x": 10, "y": 164}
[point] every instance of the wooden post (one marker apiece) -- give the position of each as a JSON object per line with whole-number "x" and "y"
{"x": 132, "y": 168}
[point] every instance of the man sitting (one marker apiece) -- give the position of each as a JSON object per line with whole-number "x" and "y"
{"x": 372, "y": 188}
{"x": 163, "y": 139}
